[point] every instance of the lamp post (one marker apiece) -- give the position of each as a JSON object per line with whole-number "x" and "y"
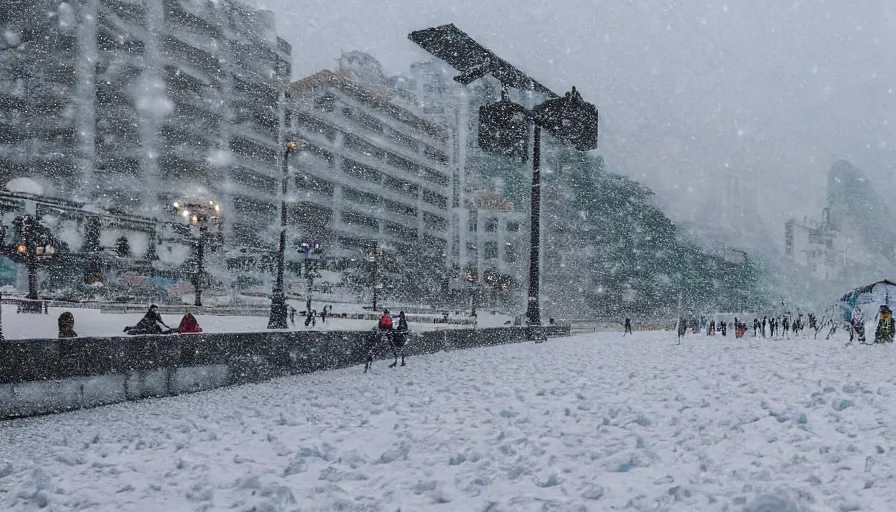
{"x": 35, "y": 244}
{"x": 279, "y": 315}
{"x": 374, "y": 257}
{"x": 199, "y": 214}
{"x": 504, "y": 126}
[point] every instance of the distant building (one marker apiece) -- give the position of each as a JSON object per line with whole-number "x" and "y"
{"x": 128, "y": 105}
{"x": 487, "y": 231}
{"x": 820, "y": 248}
{"x": 375, "y": 170}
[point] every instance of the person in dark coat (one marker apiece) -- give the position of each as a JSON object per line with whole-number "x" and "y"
{"x": 149, "y": 324}
{"x": 399, "y": 339}
{"x": 66, "y": 323}
{"x": 627, "y": 326}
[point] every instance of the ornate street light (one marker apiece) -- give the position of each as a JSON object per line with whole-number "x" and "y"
{"x": 201, "y": 214}
{"x": 35, "y": 244}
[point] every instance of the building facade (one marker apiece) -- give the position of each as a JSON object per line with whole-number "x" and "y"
{"x": 374, "y": 171}
{"x": 822, "y": 249}
{"x": 130, "y": 105}
{"x": 488, "y": 230}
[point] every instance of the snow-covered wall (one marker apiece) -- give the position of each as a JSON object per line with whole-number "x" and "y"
{"x": 50, "y": 376}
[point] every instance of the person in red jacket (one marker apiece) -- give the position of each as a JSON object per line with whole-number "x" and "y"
{"x": 189, "y": 325}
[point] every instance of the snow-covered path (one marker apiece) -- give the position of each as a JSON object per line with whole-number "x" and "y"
{"x": 595, "y": 422}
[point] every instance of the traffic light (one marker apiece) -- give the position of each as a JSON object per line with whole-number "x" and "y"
{"x": 504, "y": 129}
{"x": 569, "y": 118}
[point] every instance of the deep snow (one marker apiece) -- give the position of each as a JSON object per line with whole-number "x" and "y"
{"x": 593, "y": 422}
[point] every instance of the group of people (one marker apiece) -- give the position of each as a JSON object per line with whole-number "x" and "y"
{"x": 787, "y": 324}
{"x": 311, "y": 315}
{"x": 151, "y": 323}
{"x": 883, "y": 333}
{"x": 387, "y": 334}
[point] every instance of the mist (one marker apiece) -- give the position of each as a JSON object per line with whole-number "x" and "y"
{"x": 690, "y": 93}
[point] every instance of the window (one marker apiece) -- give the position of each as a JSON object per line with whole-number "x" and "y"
{"x": 435, "y": 199}
{"x": 510, "y": 255}
{"x": 326, "y": 103}
{"x": 491, "y": 250}
{"x": 491, "y": 225}
{"x": 472, "y": 224}
{"x": 513, "y": 227}
{"x": 370, "y": 122}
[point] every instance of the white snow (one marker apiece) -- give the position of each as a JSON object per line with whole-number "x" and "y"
{"x": 220, "y": 158}
{"x": 596, "y": 422}
{"x": 12, "y": 37}
{"x": 25, "y": 186}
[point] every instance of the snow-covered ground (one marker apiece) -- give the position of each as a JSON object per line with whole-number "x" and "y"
{"x": 90, "y": 322}
{"x": 593, "y": 422}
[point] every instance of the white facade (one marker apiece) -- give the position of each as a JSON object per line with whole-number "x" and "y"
{"x": 824, "y": 251}
{"x": 128, "y": 105}
{"x": 486, "y": 236}
{"x": 373, "y": 171}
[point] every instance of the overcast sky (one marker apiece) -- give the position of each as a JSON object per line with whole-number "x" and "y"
{"x": 689, "y": 91}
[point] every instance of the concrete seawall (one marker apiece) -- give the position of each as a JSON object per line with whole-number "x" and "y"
{"x": 46, "y": 376}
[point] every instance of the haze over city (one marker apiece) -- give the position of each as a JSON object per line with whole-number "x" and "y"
{"x": 689, "y": 92}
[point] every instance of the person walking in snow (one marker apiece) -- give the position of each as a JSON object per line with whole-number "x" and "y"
{"x": 857, "y": 325}
{"x": 292, "y": 315}
{"x": 399, "y": 339}
{"x": 627, "y": 327}
{"x": 884, "y": 331}
{"x": 381, "y": 336}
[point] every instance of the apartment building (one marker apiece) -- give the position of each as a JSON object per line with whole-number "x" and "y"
{"x": 487, "y": 230}
{"x": 130, "y": 104}
{"x": 374, "y": 170}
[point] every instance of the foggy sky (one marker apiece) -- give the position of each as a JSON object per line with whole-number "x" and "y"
{"x": 688, "y": 91}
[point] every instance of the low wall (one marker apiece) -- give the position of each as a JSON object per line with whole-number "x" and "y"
{"x": 54, "y": 375}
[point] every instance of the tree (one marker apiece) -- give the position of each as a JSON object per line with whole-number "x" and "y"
{"x": 603, "y": 232}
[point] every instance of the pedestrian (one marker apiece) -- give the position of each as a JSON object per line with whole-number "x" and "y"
{"x": 627, "y": 326}
{"x": 884, "y": 331}
{"x": 149, "y": 324}
{"x": 66, "y": 324}
{"x": 292, "y": 315}
{"x": 189, "y": 324}
{"x": 399, "y": 339}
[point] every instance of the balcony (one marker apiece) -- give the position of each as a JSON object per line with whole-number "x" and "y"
{"x": 370, "y": 161}
{"x": 381, "y": 141}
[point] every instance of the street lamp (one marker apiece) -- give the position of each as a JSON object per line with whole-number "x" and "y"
{"x": 199, "y": 214}
{"x": 503, "y": 126}
{"x": 35, "y": 244}
{"x": 279, "y": 310}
